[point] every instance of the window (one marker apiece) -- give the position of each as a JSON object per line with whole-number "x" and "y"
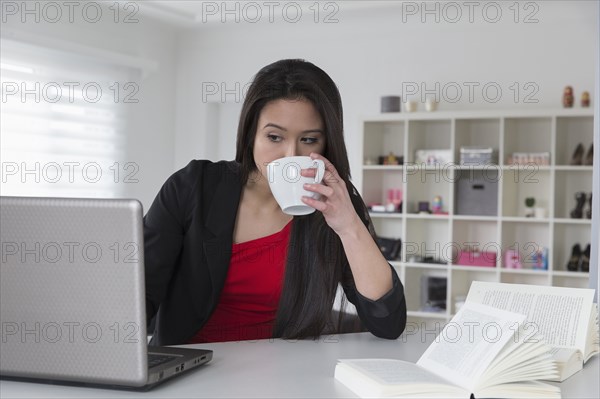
{"x": 63, "y": 122}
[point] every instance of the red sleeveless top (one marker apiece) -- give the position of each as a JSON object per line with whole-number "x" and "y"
{"x": 250, "y": 298}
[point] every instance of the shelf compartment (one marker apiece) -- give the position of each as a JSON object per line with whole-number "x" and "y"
{"x": 566, "y": 185}
{"x": 381, "y": 138}
{"x": 476, "y": 192}
{"x": 482, "y": 235}
{"x": 428, "y": 135}
{"x": 421, "y": 291}
{"x": 527, "y": 135}
{"x": 377, "y": 183}
{"x": 565, "y": 237}
{"x": 462, "y": 279}
{"x": 423, "y": 184}
{"x": 519, "y": 184}
{"x": 388, "y": 228}
{"x": 576, "y": 279}
{"x": 428, "y": 238}
{"x": 527, "y": 238}
{"x": 477, "y": 133}
{"x": 570, "y": 131}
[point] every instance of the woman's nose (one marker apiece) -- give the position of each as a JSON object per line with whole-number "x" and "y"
{"x": 292, "y": 151}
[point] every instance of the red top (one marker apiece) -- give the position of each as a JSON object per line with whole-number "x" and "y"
{"x": 250, "y": 298}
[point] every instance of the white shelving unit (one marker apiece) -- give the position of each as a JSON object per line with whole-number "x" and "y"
{"x": 555, "y": 131}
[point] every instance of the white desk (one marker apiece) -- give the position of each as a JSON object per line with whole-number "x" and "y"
{"x": 280, "y": 368}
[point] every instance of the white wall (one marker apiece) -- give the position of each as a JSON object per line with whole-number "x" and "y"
{"x": 368, "y": 54}
{"x": 152, "y": 123}
{"x": 371, "y": 53}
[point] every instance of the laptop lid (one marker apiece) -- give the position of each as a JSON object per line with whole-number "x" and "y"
{"x": 72, "y": 297}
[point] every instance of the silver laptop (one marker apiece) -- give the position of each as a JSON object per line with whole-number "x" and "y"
{"x": 72, "y": 296}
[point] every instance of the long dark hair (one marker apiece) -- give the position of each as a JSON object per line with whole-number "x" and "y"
{"x": 316, "y": 261}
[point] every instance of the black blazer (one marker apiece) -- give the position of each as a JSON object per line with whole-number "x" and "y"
{"x": 188, "y": 234}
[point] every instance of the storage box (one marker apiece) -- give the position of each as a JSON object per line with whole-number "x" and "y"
{"x": 477, "y": 193}
{"x": 433, "y": 157}
{"x": 476, "y": 258}
{"x": 477, "y": 155}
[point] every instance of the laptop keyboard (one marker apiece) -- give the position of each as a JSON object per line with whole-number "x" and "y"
{"x": 156, "y": 359}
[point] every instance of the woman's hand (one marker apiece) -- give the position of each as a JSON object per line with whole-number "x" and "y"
{"x": 335, "y": 203}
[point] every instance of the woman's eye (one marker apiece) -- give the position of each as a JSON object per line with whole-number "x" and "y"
{"x": 274, "y": 138}
{"x": 309, "y": 140}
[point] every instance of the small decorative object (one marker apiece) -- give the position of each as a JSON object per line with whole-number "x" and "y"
{"x": 539, "y": 258}
{"x": 390, "y": 104}
{"x": 424, "y": 207}
{"x": 394, "y": 200}
{"x": 529, "y": 210}
{"x": 410, "y": 106}
{"x": 526, "y": 158}
{"x": 585, "y": 99}
{"x": 377, "y": 208}
{"x": 472, "y": 155}
{"x": 433, "y": 157}
{"x": 568, "y": 98}
{"x": 472, "y": 256}
{"x": 437, "y": 204}
{"x": 540, "y": 213}
{"x": 431, "y": 105}
{"x": 512, "y": 259}
{"x": 391, "y": 159}
{"x": 369, "y": 161}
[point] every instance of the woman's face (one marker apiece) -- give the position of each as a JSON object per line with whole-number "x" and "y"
{"x": 287, "y": 128}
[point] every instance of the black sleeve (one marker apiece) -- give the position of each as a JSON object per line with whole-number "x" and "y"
{"x": 385, "y": 317}
{"x": 164, "y": 228}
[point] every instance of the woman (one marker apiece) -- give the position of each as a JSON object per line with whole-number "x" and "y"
{"x": 223, "y": 262}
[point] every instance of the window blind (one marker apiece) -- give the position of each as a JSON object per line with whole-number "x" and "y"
{"x": 63, "y": 123}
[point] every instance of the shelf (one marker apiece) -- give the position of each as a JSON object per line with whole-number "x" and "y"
{"x": 584, "y": 222}
{"x": 475, "y": 218}
{"x": 437, "y": 266}
{"x": 524, "y": 220}
{"x": 563, "y": 168}
{"x": 391, "y": 215}
{"x": 524, "y": 271}
{"x": 474, "y": 268}
{"x": 571, "y": 274}
{"x": 426, "y": 216}
{"x": 497, "y": 190}
{"x": 487, "y": 114}
{"x": 383, "y": 167}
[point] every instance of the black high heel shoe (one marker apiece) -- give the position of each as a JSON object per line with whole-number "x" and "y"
{"x": 589, "y": 211}
{"x": 577, "y": 158}
{"x": 573, "y": 264}
{"x": 585, "y": 259}
{"x": 589, "y": 157}
{"x": 577, "y": 213}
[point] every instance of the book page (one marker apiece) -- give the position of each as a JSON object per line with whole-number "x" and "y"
{"x": 376, "y": 378}
{"x": 560, "y": 315}
{"x": 469, "y": 343}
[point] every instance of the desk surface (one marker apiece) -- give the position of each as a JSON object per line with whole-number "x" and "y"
{"x": 280, "y": 368}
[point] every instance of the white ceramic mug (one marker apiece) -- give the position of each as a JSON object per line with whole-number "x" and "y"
{"x": 287, "y": 185}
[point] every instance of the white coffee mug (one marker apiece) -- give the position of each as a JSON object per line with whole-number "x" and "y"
{"x": 287, "y": 185}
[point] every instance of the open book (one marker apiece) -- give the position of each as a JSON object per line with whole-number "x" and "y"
{"x": 482, "y": 351}
{"x": 567, "y": 318}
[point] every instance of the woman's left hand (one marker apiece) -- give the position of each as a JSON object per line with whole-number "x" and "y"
{"x": 335, "y": 203}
